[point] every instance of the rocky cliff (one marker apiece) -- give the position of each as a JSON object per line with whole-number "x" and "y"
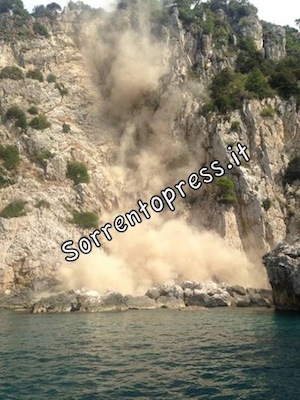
{"x": 283, "y": 268}
{"x": 128, "y": 103}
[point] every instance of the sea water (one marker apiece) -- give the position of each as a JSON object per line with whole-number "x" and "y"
{"x": 223, "y": 353}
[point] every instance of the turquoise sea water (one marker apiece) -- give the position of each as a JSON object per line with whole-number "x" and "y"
{"x": 161, "y": 354}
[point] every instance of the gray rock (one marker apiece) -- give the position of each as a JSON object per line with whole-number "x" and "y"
{"x": 140, "y": 303}
{"x": 153, "y": 293}
{"x": 222, "y": 300}
{"x": 283, "y": 268}
{"x": 59, "y": 303}
{"x": 188, "y": 292}
{"x": 177, "y": 292}
{"x": 236, "y": 289}
{"x": 241, "y": 301}
{"x": 80, "y": 301}
{"x": 187, "y": 285}
{"x": 202, "y": 300}
{"x": 170, "y": 302}
{"x": 113, "y": 301}
{"x": 167, "y": 288}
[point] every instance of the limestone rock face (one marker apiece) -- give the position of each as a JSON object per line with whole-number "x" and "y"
{"x": 251, "y": 27}
{"x": 30, "y": 245}
{"x": 274, "y": 42}
{"x": 283, "y": 267}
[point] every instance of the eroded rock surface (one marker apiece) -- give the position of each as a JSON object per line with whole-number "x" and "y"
{"x": 283, "y": 267}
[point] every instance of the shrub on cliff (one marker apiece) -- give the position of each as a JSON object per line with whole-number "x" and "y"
{"x": 268, "y": 112}
{"x": 10, "y": 157}
{"x": 228, "y": 90}
{"x": 33, "y": 110}
{"x": 13, "y": 6}
{"x": 62, "y": 89}
{"x": 11, "y": 72}
{"x": 240, "y": 9}
{"x": 226, "y": 188}
{"x": 249, "y": 57}
{"x": 77, "y": 172}
{"x": 40, "y": 158}
{"x": 85, "y": 220}
{"x": 235, "y": 126}
{"x": 14, "y": 210}
{"x": 17, "y": 114}
{"x": 39, "y": 123}
{"x": 66, "y": 128}
{"x": 4, "y": 181}
{"x": 40, "y": 29}
{"x": 35, "y": 74}
{"x": 293, "y": 171}
{"x": 51, "y": 78}
{"x": 267, "y": 204}
{"x": 257, "y": 84}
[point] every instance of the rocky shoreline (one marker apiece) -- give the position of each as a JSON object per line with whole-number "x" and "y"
{"x": 282, "y": 265}
{"x": 188, "y": 295}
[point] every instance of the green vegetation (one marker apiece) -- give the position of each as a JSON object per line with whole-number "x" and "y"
{"x": 77, "y": 172}
{"x": 235, "y": 126}
{"x": 9, "y": 155}
{"x": 33, "y": 110}
{"x": 248, "y": 58}
{"x": 292, "y": 173}
{"x": 16, "y": 7}
{"x": 268, "y": 112}
{"x": 49, "y": 11}
{"x": 258, "y": 86}
{"x": 228, "y": 90}
{"x": 42, "y": 204}
{"x": 254, "y": 77}
{"x": 35, "y": 74}
{"x": 235, "y": 9}
{"x": 85, "y": 220}
{"x": 5, "y": 180}
{"x": 226, "y": 188}
{"x": 267, "y": 204}
{"x": 62, "y": 89}
{"x": 40, "y": 158}
{"x": 51, "y": 78}
{"x": 39, "y": 123}
{"x": 17, "y": 114}
{"x": 14, "y": 210}
{"x": 40, "y": 29}
{"x": 66, "y": 128}
{"x": 13, "y": 72}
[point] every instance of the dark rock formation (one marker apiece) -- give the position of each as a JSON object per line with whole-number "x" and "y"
{"x": 283, "y": 267}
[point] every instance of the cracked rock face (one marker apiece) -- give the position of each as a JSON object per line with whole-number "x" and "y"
{"x": 283, "y": 267}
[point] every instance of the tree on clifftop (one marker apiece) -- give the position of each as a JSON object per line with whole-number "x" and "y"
{"x": 15, "y": 7}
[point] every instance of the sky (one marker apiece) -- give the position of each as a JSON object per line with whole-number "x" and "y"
{"x": 281, "y": 12}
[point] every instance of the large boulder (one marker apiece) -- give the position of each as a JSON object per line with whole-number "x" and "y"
{"x": 140, "y": 303}
{"x": 201, "y": 300}
{"x": 283, "y": 267}
{"x": 170, "y": 302}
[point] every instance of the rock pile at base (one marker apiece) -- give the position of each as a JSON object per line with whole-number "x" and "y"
{"x": 283, "y": 267}
{"x": 188, "y": 295}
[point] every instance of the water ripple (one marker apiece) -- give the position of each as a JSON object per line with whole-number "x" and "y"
{"x": 220, "y": 354}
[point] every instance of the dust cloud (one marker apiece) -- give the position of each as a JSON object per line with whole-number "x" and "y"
{"x": 131, "y": 58}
